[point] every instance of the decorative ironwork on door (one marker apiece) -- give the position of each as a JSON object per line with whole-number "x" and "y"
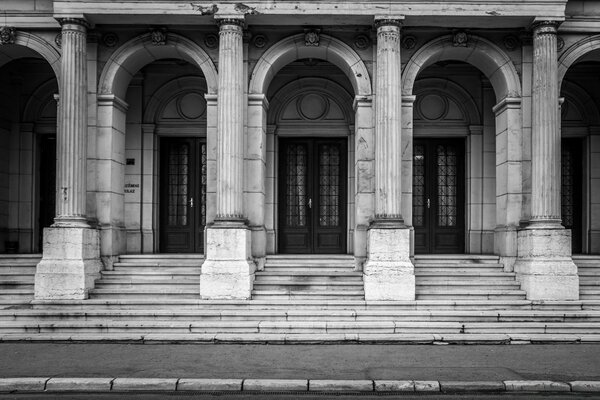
{"x": 571, "y": 190}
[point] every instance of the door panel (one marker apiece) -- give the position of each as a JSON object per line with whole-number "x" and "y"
{"x": 312, "y": 196}
{"x": 183, "y": 195}
{"x": 438, "y": 196}
{"x": 571, "y": 190}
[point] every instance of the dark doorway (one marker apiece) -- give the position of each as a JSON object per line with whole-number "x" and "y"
{"x": 182, "y": 195}
{"x": 47, "y": 176}
{"x": 571, "y": 190}
{"x": 312, "y": 196}
{"x": 438, "y": 196}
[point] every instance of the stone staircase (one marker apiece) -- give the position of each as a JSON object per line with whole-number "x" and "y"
{"x": 154, "y": 276}
{"x": 155, "y": 298}
{"x": 475, "y": 277}
{"x": 588, "y": 268}
{"x": 326, "y": 277}
{"x": 17, "y": 273}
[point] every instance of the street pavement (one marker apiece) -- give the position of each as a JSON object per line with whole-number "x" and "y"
{"x": 556, "y": 362}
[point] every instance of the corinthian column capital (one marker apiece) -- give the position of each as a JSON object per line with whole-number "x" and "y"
{"x": 71, "y": 23}
{"x": 388, "y": 20}
{"x": 545, "y": 27}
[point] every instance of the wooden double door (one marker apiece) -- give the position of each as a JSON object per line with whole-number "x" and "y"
{"x": 312, "y": 195}
{"x": 182, "y": 195}
{"x": 438, "y": 196}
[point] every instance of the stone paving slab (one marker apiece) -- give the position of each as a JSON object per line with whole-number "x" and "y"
{"x": 107, "y": 384}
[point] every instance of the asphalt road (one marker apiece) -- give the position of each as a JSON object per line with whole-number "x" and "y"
{"x": 404, "y": 362}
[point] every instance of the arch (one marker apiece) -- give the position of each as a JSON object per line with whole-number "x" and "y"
{"x": 35, "y": 43}
{"x": 480, "y": 52}
{"x": 39, "y": 99}
{"x": 139, "y": 51}
{"x": 293, "y": 89}
{"x": 454, "y": 91}
{"x": 294, "y": 48}
{"x": 582, "y": 100}
{"x": 161, "y": 96}
{"x": 575, "y": 52}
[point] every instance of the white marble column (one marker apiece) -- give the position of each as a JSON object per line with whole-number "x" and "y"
{"x": 71, "y": 257}
{"x": 544, "y": 265}
{"x": 228, "y": 271}
{"x": 388, "y": 272}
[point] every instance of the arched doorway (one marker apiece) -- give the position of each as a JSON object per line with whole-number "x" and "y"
{"x": 312, "y": 122}
{"x": 27, "y": 143}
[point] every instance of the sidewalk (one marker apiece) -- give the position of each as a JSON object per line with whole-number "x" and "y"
{"x": 416, "y": 368}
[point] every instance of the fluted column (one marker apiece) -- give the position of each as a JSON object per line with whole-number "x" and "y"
{"x": 72, "y": 135}
{"x": 228, "y": 269}
{"x": 230, "y": 123}
{"x": 544, "y": 265}
{"x": 545, "y": 169}
{"x": 388, "y": 122}
{"x": 388, "y": 273}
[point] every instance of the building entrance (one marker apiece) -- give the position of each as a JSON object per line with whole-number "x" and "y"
{"x": 438, "y": 196}
{"x": 571, "y": 190}
{"x": 47, "y": 163}
{"x": 312, "y": 196}
{"x": 182, "y": 195}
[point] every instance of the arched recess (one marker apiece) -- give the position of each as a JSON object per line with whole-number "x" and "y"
{"x": 574, "y": 53}
{"x": 112, "y": 109}
{"x": 497, "y": 66}
{"x": 39, "y": 46}
{"x": 287, "y": 118}
{"x": 276, "y": 57}
{"x": 580, "y": 163}
{"x": 479, "y": 52}
{"x": 176, "y": 109}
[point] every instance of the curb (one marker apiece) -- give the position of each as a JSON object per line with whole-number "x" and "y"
{"x": 41, "y": 384}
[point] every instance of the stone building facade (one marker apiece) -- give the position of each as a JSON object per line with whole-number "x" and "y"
{"x": 375, "y": 129}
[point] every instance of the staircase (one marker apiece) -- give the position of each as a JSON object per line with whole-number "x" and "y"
{"x": 317, "y": 277}
{"x": 588, "y": 268}
{"x": 151, "y": 276}
{"x": 475, "y": 277}
{"x": 17, "y": 273}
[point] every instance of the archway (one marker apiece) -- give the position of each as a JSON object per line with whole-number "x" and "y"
{"x": 342, "y": 56}
{"x": 113, "y": 86}
{"x": 501, "y": 73}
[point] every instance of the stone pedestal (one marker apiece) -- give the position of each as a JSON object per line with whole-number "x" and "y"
{"x": 228, "y": 272}
{"x": 544, "y": 266}
{"x": 70, "y": 264}
{"x": 388, "y": 274}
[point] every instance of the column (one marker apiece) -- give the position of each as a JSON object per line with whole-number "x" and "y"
{"x": 544, "y": 265}
{"x": 71, "y": 257}
{"x": 228, "y": 271}
{"x": 388, "y": 272}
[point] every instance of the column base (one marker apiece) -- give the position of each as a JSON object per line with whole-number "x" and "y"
{"x": 70, "y": 264}
{"x": 388, "y": 273}
{"x": 228, "y": 271}
{"x": 544, "y": 266}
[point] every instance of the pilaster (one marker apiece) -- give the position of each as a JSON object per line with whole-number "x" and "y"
{"x": 544, "y": 265}
{"x": 388, "y": 272}
{"x": 228, "y": 271}
{"x": 71, "y": 256}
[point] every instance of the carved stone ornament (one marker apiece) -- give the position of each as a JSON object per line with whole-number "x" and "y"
{"x": 244, "y": 9}
{"x": 362, "y": 42}
{"x": 460, "y": 39}
{"x": 7, "y": 35}
{"x": 211, "y": 41}
{"x": 205, "y": 10}
{"x": 560, "y": 43}
{"x": 159, "y": 36}
{"x": 409, "y": 42}
{"x": 259, "y": 41}
{"x": 110, "y": 39}
{"x": 58, "y": 40}
{"x": 311, "y": 37}
{"x": 511, "y": 42}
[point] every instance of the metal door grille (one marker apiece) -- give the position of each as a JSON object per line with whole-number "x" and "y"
{"x": 419, "y": 185}
{"x": 178, "y": 172}
{"x": 446, "y": 185}
{"x": 329, "y": 185}
{"x": 296, "y": 185}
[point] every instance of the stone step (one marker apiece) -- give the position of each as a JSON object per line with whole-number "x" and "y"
{"x": 164, "y": 265}
{"x": 18, "y": 269}
{"x": 309, "y": 327}
{"x": 196, "y": 303}
{"x": 16, "y": 293}
{"x": 302, "y": 315}
{"x": 276, "y": 294}
{"x": 460, "y": 267}
{"x": 150, "y": 273}
{"x": 172, "y": 292}
{"x": 356, "y": 280}
{"x": 14, "y": 284}
{"x": 306, "y": 272}
{"x": 147, "y": 286}
{"x": 467, "y": 285}
{"x": 310, "y": 257}
{"x": 462, "y": 296}
{"x": 466, "y": 273}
